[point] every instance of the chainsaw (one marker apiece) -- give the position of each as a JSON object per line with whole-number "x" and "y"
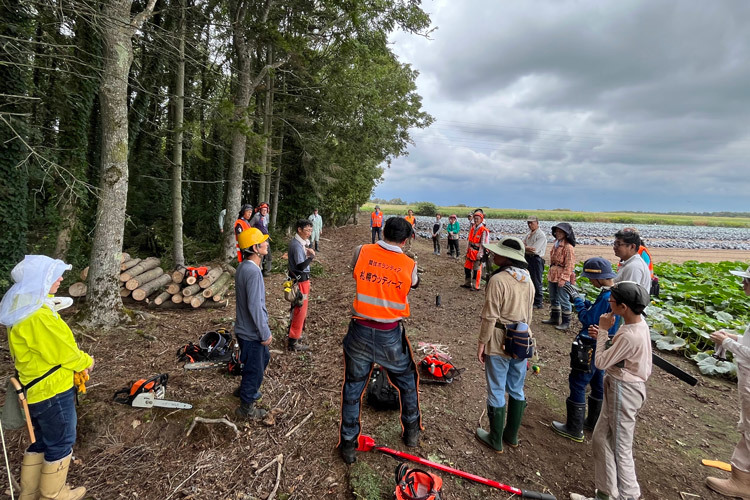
{"x": 148, "y": 393}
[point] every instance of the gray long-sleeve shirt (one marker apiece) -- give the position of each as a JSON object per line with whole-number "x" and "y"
{"x": 252, "y": 315}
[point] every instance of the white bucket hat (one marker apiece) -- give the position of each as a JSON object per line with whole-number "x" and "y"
{"x": 504, "y": 249}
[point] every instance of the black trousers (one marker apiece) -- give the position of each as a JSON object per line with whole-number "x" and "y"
{"x": 376, "y": 231}
{"x": 536, "y": 270}
{"x": 453, "y": 247}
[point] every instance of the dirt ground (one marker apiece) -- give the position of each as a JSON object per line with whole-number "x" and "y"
{"x": 124, "y": 452}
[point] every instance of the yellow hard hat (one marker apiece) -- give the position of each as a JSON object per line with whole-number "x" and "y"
{"x": 250, "y": 237}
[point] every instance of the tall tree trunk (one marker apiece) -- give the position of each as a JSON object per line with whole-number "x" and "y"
{"x": 104, "y": 302}
{"x": 14, "y": 79}
{"x": 266, "y": 160}
{"x": 277, "y": 172}
{"x": 75, "y": 125}
{"x": 179, "y": 112}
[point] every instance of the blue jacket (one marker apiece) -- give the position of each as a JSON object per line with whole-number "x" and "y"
{"x": 588, "y": 313}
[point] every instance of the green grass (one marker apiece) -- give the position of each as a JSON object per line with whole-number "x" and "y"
{"x": 366, "y": 482}
{"x": 572, "y": 216}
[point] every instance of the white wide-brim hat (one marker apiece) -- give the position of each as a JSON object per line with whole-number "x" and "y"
{"x": 742, "y": 274}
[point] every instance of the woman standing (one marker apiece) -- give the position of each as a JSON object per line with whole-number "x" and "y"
{"x": 562, "y": 259}
{"x": 46, "y": 356}
{"x": 739, "y": 484}
{"x": 453, "y": 229}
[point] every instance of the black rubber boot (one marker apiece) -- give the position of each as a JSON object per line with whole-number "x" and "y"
{"x": 296, "y": 345}
{"x": 573, "y": 429}
{"x": 515, "y": 410}
{"x": 595, "y": 408}
{"x": 348, "y": 450}
{"x": 565, "y": 323}
{"x": 494, "y": 438}
{"x": 411, "y": 434}
{"x": 467, "y": 280}
{"x": 250, "y": 411}
{"x": 554, "y": 317}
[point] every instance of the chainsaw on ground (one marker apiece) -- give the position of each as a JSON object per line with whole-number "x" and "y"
{"x": 148, "y": 393}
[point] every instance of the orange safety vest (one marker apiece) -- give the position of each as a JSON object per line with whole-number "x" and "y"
{"x": 376, "y": 219}
{"x": 383, "y": 280}
{"x": 245, "y": 226}
{"x": 411, "y": 219}
{"x": 476, "y": 234}
{"x": 643, "y": 250}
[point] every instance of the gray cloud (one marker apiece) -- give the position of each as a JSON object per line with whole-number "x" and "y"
{"x": 649, "y": 99}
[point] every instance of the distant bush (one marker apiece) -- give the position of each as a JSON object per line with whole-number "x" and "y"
{"x": 426, "y": 208}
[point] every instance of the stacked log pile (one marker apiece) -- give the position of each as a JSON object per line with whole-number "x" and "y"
{"x": 144, "y": 280}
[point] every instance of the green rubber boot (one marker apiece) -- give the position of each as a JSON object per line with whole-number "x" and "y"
{"x": 513, "y": 424}
{"x": 494, "y": 438}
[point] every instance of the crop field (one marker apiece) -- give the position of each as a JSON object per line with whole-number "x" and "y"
{"x": 696, "y": 299}
{"x": 572, "y": 216}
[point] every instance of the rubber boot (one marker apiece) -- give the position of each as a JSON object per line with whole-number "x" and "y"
{"x": 565, "y": 323}
{"x": 554, "y": 317}
{"x": 494, "y": 438}
{"x": 595, "y": 408}
{"x": 513, "y": 424}
{"x": 467, "y": 281}
{"x": 249, "y": 411}
{"x": 348, "y": 450}
{"x": 296, "y": 345}
{"x": 573, "y": 429}
{"x": 31, "y": 473}
{"x": 316, "y": 247}
{"x": 411, "y": 434}
{"x": 52, "y": 484}
{"x": 737, "y": 486}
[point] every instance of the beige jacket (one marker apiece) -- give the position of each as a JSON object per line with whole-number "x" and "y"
{"x": 506, "y": 300}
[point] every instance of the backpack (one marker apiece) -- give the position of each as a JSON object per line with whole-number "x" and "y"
{"x": 381, "y": 394}
{"x": 416, "y": 484}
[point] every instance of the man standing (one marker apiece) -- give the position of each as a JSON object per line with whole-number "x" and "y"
{"x": 242, "y": 224}
{"x": 317, "y": 228}
{"x": 508, "y": 301}
{"x": 413, "y": 221}
{"x": 479, "y": 236}
{"x": 251, "y": 325}
{"x": 299, "y": 257}
{"x": 260, "y": 222}
{"x": 536, "y": 244}
{"x": 384, "y": 276}
{"x": 376, "y": 223}
{"x": 632, "y": 266}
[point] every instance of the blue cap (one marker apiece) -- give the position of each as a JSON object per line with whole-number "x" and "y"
{"x": 597, "y": 268}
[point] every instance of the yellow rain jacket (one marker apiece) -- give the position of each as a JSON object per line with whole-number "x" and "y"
{"x": 40, "y": 342}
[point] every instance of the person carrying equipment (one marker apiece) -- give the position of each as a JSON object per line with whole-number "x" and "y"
{"x": 299, "y": 257}
{"x": 582, "y": 356}
{"x": 242, "y": 224}
{"x": 508, "y": 304}
{"x": 479, "y": 236}
{"x": 384, "y": 276}
{"x": 46, "y": 358}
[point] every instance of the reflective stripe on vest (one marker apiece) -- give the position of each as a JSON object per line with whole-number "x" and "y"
{"x": 376, "y": 219}
{"x": 383, "y": 281}
{"x": 245, "y": 227}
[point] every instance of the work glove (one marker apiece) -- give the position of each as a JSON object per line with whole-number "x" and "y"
{"x": 571, "y": 290}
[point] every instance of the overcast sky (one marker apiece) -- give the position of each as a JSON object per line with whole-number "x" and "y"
{"x": 587, "y": 105}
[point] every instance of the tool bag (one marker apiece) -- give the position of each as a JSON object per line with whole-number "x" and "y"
{"x": 519, "y": 341}
{"x": 292, "y": 293}
{"x": 582, "y": 354}
{"x": 433, "y": 366}
{"x": 416, "y": 484}
{"x": 381, "y": 394}
{"x": 212, "y": 346}
{"x": 234, "y": 365}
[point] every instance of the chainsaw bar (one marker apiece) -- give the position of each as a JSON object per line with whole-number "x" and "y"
{"x": 149, "y": 400}
{"x": 202, "y": 365}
